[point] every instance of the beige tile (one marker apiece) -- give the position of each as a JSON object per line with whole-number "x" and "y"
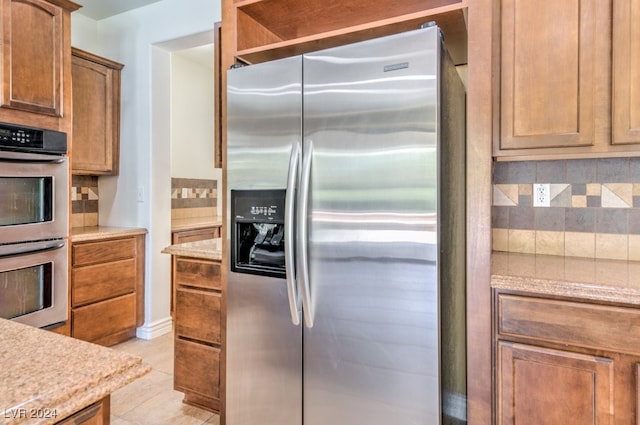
{"x": 500, "y": 239}
{"x": 634, "y": 247}
{"x": 525, "y": 189}
{"x": 579, "y": 201}
{"x": 91, "y": 219}
{"x": 594, "y": 189}
{"x": 505, "y": 194}
{"x": 636, "y": 189}
{"x": 523, "y": 241}
{"x": 77, "y": 220}
{"x": 580, "y": 244}
{"x": 215, "y": 420}
{"x": 614, "y": 247}
{"x": 549, "y": 243}
{"x": 140, "y": 391}
{"x": 167, "y": 408}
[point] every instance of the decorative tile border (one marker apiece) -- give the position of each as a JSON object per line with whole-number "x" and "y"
{"x": 84, "y": 201}
{"x": 193, "y": 193}
{"x": 594, "y": 210}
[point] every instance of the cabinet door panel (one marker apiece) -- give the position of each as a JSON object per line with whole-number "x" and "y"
{"x": 540, "y": 386}
{"x": 32, "y": 60}
{"x": 99, "y": 320}
{"x": 552, "y": 73}
{"x": 197, "y": 368}
{"x": 626, "y": 72}
{"x": 103, "y": 251}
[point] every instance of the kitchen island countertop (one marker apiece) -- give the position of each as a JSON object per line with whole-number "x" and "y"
{"x": 54, "y": 375}
{"x": 209, "y": 249}
{"x": 594, "y": 279}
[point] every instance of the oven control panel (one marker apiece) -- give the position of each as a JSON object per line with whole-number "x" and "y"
{"x": 29, "y": 139}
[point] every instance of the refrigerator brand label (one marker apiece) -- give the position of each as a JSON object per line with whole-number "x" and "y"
{"x": 396, "y": 66}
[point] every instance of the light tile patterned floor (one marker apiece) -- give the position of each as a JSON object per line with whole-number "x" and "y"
{"x": 151, "y": 399}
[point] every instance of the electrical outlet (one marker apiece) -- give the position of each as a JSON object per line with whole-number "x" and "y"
{"x": 542, "y": 195}
{"x": 140, "y": 194}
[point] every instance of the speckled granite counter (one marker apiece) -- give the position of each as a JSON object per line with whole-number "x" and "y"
{"x": 53, "y": 373}
{"x": 209, "y": 249}
{"x": 180, "y": 224}
{"x": 587, "y": 278}
{"x": 83, "y": 234}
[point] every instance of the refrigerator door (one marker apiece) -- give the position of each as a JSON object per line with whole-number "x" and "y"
{"x": 370, "y": 116}
{"x": 264, "y": 347}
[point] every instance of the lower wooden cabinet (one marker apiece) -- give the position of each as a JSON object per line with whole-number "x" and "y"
{"x": 96, "y": 414}
{"x": 107, "y": 289}
{"x": 198, "y": 339}
{"x": 564, "y": 361}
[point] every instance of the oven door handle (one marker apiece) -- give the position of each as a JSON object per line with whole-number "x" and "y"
{"x": 30, "y": 247}
{"x": 30, "y": 157}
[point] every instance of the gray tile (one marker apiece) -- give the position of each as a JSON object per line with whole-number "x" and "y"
{"x": 77, "y": 207}
{"x": 550, "y": 219}
{"x": 522, "y": 172}
{"x": 525, "y": 201}
{"x": 500, "y": 217}
{"x": 634, "y": 221}
{"x": 578, "y": 189}
{"x": 90, "y": 206}
{"x": 612, "y": 220}
{"x": 634, "y": 170}
{"x": 594, "y": 201}
{"x": 550, "y": 172}
{"x": 613, "y": 170}
{"x": 581, "y": 171}
{"x": 636, "y": 202}
{"x": 522, "y": 218}
{"x": 580, "y": 220}
{"x": 501, "y": 172}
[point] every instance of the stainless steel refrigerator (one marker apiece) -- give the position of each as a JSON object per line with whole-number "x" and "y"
{"x": 346, "y": 206}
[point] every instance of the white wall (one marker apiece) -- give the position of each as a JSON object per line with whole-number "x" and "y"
{"x": 132, "y": 38}
{"x": 192, "y": 136}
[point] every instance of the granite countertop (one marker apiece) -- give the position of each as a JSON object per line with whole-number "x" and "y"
{"x": 83, "y": 234}
{"x": 209, "y": 249}
{"x": 586, "y": 278}
{"x": 44, "y": 373}
{"x": 194, "y": 223}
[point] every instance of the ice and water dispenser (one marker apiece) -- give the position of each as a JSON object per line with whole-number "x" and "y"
{"x": 257, "y": 232}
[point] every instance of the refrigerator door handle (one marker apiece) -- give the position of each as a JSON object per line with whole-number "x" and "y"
{"x": 289, "y": 232}
{"x": 302, "y": 234}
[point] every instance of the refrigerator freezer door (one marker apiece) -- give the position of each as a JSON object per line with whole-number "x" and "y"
{"x": 263, "y": 358}
{"x": 372, "y": 355}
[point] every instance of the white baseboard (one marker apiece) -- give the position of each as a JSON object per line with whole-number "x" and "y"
{"x": 155, "y": 329}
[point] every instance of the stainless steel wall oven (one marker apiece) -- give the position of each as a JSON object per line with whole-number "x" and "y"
{"x": 34, "y": 225}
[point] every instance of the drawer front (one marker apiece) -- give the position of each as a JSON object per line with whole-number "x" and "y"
{"x": 579, "y": 324}
{"x": 198, "y": 315}
{"x": 196, "y": 368}
{"x": 102, "y": 281}
{"x": 105, "y": 318}
{"x": 195, "y": 235}
{"x": 198, "y": 273}
{"x": 103, "y": 251}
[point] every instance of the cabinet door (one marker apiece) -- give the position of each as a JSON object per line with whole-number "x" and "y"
{"x": 626, "y": 72}
{"x": 554, "y": 72}
{"x": 32, "y": 55}
{"x": 539, "y": 386}
{"x": 96, "y": 114}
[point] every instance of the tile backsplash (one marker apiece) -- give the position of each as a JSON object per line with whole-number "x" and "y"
{"x": 594, "y": 208}
{"x": 84, "y": 201}
{"x": 193, "y": 198}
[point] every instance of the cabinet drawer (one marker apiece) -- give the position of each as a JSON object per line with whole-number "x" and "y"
{"x": 199, "y": 273}
{"x": 574, "y": 323}
{"x": 102, "y": 281}
{"x": 195, "y": 235}
{"x": 196, "y": 368}
{"x": 105, "y": 318}
{"x": 198, "y": 315}
{"x": 103, "y": 251}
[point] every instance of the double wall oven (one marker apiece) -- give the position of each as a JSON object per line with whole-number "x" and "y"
{"x": 34, "y": 225}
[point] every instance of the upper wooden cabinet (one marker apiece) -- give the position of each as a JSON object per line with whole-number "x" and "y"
{"x": 35, "y": 63}
{"x": 561, "y": 94}
{"x": 270, "y": 29}
{"x": 96, "y": 114}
